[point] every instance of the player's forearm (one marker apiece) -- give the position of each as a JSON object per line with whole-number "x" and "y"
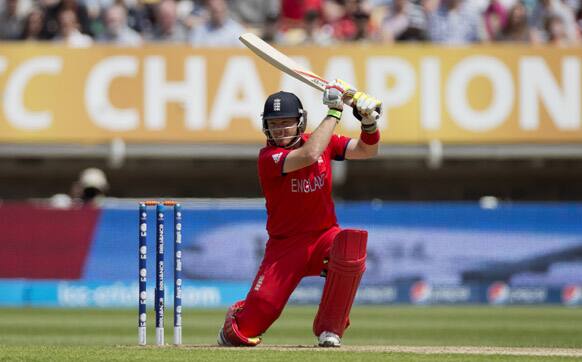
{"x": 319, "y": 139}
{"x": 365, "y": 147}
{"x": 369, "y": 140}
{"x": 367, "y": 150}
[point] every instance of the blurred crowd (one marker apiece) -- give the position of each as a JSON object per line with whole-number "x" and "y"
{"x": 208, "y": 23}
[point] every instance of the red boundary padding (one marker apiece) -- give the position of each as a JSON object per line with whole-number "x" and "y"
{"x": 44, "y": 243}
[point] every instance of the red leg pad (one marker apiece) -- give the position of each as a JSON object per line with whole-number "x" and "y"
{"x": 347, "y": 263}
{"x": 231, "y": 331}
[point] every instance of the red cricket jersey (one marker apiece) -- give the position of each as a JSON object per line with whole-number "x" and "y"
{"x": 299, "y": 201}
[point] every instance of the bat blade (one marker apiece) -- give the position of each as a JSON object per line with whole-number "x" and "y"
{"x": 281, "y": 61}
{"x": 290, "y": 67}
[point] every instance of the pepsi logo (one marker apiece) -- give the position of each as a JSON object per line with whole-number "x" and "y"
{"x": 572, "y": 295}
{"x": 498, "y": 293}
{"x": 420, "y": 292}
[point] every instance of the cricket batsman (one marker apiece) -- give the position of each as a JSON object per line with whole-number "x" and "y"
{"x": 304, "y": 236}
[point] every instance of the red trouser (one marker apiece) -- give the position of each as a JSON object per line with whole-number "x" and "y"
{"x": 285, "y": 263}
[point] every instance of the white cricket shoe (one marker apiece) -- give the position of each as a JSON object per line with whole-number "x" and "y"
{"x": 329, "y": 339}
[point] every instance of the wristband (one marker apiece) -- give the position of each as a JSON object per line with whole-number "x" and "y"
{"x": 370, "y": 138}
{"x": 335, "y": 113}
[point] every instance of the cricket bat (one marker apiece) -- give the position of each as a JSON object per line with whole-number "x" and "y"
{"x": 287, "y": 65}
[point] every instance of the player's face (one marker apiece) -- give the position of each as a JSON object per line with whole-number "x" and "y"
{"x": 283, "y": 130}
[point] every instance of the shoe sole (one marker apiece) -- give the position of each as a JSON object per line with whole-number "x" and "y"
{"x": 329, "y": 344}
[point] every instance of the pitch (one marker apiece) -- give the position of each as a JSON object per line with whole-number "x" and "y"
{"x": 464, "y": 333}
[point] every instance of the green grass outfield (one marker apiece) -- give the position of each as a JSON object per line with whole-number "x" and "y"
{"x": 377, "y": 333}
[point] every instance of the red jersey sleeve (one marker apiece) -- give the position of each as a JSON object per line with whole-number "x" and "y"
{"x": 338, "y": 146}
{"x": 271, "y": 160}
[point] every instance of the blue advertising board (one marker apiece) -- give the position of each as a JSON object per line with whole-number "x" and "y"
{"x": 419, "y": 253}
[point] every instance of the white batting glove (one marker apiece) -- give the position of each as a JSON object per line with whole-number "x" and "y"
{"x": 364, "y": 107}
{"x": 334, "y": 92}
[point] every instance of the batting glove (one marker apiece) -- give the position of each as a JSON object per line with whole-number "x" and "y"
{"x": 334, "y": 92}
{"x": 364, "y": 107}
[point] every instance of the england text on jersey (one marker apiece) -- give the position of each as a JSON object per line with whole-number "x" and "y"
{"x": 308, "y": 185}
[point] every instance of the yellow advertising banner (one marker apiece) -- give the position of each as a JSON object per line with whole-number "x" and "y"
{"x": 482, "y": 94}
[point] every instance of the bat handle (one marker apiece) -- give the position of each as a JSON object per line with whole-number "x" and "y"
{"x": 349, "y": 101}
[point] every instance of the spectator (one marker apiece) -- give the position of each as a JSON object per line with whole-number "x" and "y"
{"x": 52, "y": 18}
{"x": 116, "y": 29}
{"x": 218, "y": 29}
{"x": 529, "y": 5}
{"x": 11, "y": 23}
{"x": 33, "y": 24}
{"x": 556, "y": 30}
{"x": 271, "y": 32}
{"x": 574, "y": 5}
{"x": 315, "y": 31}
{"x": 69, "y": 31}
{"x": 405, "y": 21}
{"x": 542, "y": 16}
{"x": 90, "y": 188}
{"x": 354, "y": 24}
{"x": 453, "y": 22}
{"x": 293, "y": 12}
{"x": 95, "y": 10}
{"x": 516, "y": 29}
{"x": 495, "y": 19}
{"x": 167, "y": 28}
{"x": 140, "y": 16}
{"x": 87, "y": 191}
{"x": 254, "y": 13}
{"x": 364, "y": 28}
